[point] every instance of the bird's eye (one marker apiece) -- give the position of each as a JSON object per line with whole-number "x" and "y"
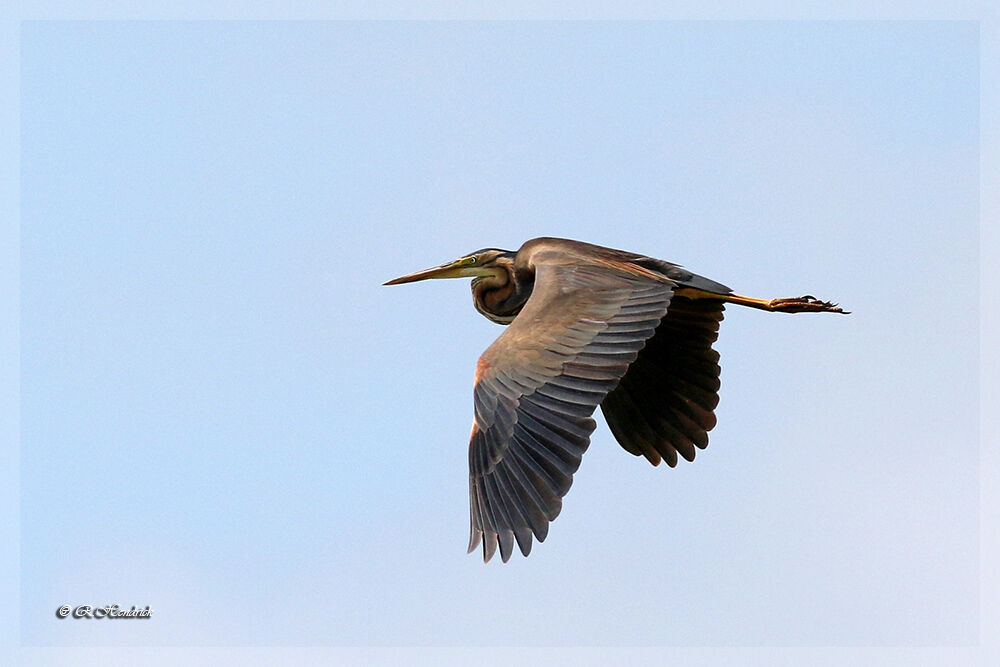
{"x": 472, "y": 260}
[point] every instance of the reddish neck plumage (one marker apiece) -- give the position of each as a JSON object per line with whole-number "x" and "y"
{"x": 500, "y": 296}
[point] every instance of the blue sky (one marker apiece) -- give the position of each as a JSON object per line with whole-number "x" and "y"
{"x": 223, "y": 409}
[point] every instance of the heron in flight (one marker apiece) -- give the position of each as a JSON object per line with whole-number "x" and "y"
{"x": 587, "y": 326}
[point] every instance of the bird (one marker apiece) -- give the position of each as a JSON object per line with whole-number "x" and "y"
{"x": 586, "y": 326}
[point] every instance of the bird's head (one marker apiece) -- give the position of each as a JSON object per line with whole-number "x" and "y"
{"x": 489, "y": 262}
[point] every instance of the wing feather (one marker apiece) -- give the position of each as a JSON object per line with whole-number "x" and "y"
{"x": 665, "y": 404}
{"x": 539, "y": 384}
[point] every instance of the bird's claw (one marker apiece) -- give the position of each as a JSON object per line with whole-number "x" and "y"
{"x": 806, "y": 304}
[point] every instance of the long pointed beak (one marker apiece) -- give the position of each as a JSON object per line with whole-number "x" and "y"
{"x": 449, "y": 270}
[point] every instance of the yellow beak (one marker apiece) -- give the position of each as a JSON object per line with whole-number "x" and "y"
{"x": 456, "y": 269}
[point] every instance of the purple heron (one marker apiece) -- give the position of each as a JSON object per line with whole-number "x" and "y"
{"x": 587, "y": 326}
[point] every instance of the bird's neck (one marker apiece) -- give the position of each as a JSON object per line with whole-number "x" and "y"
{"x": 500, "y": 296}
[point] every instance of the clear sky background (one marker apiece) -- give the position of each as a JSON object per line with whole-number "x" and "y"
{"x": 224, "y": 415}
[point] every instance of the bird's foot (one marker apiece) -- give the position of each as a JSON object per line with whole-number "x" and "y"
{"x": 804, "y": 304}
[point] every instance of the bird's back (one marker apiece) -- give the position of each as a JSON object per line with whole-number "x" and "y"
{"x": 589, "y": 253}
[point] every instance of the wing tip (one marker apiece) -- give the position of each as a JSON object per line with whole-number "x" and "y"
{"x": 506, "y": 539}
{"x": 475, "y": 537}
{"x": 489, "y": 546}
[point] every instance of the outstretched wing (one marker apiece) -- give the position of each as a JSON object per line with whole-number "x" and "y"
{"x": 666, "y": 402}
{"x": 539, "y": 383}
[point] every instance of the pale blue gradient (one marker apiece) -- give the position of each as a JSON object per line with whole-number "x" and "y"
{"x": 222, "y": 409}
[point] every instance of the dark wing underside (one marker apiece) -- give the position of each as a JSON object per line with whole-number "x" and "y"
{"x": 665, "y": 403}
{"x": 539, "y": 383}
